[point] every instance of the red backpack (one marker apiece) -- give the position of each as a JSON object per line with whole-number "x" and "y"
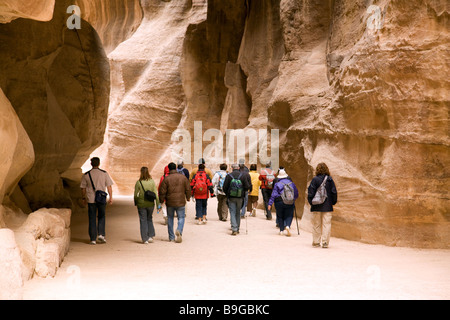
{"x": 200, "y": 185}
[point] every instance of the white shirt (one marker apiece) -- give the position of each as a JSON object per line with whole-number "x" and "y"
{"x": 101, "y": 180}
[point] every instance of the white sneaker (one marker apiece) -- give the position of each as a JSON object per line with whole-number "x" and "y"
{"x": 101, "y": 239}
{"x": 93, "y": 243}
{"x": 288, "y": 232}
{"x": 150, "y": 240}
{"x": 146, "y": 242}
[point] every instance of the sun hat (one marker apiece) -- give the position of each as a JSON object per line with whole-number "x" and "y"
{"x": 282, "y": 174}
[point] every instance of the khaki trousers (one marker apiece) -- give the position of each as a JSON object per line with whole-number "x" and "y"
{"x": 321, "y": 222}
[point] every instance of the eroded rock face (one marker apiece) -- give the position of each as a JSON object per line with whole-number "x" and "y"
{"x": 58, "y": 83}
{"x": 147, "y": 100}
{"x": 16, "y": 153}
{"x": 41, "y": 10}
{"x": 361, "y": 88}
{"x": 114, "y": 20}
{"x": 382, "y": 124}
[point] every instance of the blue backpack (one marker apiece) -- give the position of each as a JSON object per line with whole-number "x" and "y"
{"x": 222, "y": 177}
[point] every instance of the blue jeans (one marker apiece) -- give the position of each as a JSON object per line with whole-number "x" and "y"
{"x": 200, "y": 207}
{"x": 244, "y": 208}
{"x": 285, "y": 214}
{"x": 235, "y": 205}
{"x": 146, "y": 223}
{"x": 94, "y": 229}
{"x": 181, "y": 214}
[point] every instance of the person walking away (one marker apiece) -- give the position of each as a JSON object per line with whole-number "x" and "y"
{"x": 165, "y": 174}
{"x": 182, "y": 169}
{"x": 194, "y": 171}
{"x": 322, "y": 212}
{"x": 96, "y": 181}
{"x": 145, "y": 198}
{"x": 235, "y": 185}
{"x": 243, "y": 168}
{"x": 253, "y": 196}
{"x": 283, "y": 196}
{"x": 267, "y": 176}
{"x": 201, "y": 187}
{"x": 175, "y": 191}
{"x": 218, "y": 181}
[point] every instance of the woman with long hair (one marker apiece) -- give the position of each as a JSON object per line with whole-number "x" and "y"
{"x": 322, "y": 211}
{"x": 146, "y": 205}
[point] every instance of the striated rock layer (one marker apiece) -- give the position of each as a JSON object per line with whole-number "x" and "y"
{"x": 114, "y": 20}
{"x": 360, "y": 86}
{"x": 57, "y": 80}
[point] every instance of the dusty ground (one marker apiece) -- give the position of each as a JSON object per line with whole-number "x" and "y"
{"x": 212, "y": 264}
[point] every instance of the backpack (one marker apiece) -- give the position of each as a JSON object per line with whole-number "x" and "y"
{"x": 269, "y": 179}
{"x": 200, "y": 186}
{"x": 288, "y": 194}
{"x": 321, "y": 193}
{"x": 222, "y": 177}
{"x": 236, "y": 187}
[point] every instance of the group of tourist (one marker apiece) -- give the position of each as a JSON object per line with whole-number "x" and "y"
{"x": 237, "y": 192}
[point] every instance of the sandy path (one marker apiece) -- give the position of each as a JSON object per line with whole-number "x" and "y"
{"x": 212, "y": 264}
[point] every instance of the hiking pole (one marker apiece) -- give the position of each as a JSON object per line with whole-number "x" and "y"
{"x": 296, "y": 219}
{"x": 246, "y": 226}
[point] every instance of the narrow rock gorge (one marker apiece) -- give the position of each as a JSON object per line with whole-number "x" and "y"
{"x": 361, "y": 85}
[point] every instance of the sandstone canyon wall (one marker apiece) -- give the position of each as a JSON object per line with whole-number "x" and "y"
{"x": 361, "y": 85}
{"x": 57, "y": 80}
{"x": 54, "y": 97}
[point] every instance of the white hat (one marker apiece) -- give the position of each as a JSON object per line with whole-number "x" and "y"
{"x": 282, "y": 174}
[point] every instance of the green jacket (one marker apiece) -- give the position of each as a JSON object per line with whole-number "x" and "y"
{"x": 139, "y": 200}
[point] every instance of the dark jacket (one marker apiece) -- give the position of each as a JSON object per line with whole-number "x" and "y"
{"x": 331, "y": 200}
{"x": 175, "y": 190}
{"x": 184, "y": 171}
{"x": 245, "y": 179}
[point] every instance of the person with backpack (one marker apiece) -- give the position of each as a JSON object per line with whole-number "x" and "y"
{"x": 166, "y": 173}
{"x": 243, "y": 168}
{"x": 283, "y": 196}
{"x": 267, "y": 176}
{"x": 175, "y": 191}
{"x": 201, "y": 187}
{"x": 217, "y": 181}
{"x": 182, "y": 169}
{"x": 253, "y": 195}
{"x": 194, "y": 171}
{"x": 145, "y": 198}
{"x": 235, "y": 185}
{"x": 322, "y": 196}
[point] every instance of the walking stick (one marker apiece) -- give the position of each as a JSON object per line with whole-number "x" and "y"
{"x": 246, "y": 226}
{"x": 296, "y": 219}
